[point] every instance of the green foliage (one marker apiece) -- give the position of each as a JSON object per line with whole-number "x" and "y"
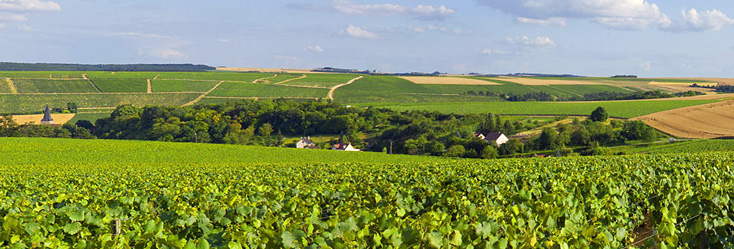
{"x": 599, "y": 115}
{"x": 212, "y": 196}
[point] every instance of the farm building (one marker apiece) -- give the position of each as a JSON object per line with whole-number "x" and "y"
{"x": 306, "y": 143}
{"x": 496, "y": 138}
{"x": 47, "y": 117}
{"x": 344, "y": 147}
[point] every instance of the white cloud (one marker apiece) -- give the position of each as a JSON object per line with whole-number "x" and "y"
{"x": 17, "y": 10}
{"x": 428, "y": 12}
{"x": 420, "y": 12}
{"x": 693, "y": 20}
{"x": 626, "y": 14}
{"x": 421, "y": 29}
{"x": 224, "y": 40}
{"x": 487, "y": 52}
{"x": 135, "y": 34}
{"x": 646, "y": 66}
{"x": 538, "y": 42}
{"x": 316, "y": 48}
{"x": 553, "y": 21}
{"x": 167, "y": 53}
{"x": 358, "y": 32}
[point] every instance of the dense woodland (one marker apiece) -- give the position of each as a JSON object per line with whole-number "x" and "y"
{"x": 12, "y": 66}
{"x": 266, "y": 123}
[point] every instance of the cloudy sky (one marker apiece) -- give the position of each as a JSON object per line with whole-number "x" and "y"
{"x": 585, "y": 37}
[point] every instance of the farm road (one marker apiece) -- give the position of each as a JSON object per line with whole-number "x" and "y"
{"x": 333, "y": 89}
{"x": 203, "y": 95}
{"x": 285, "y": 81}
{"x": 13, "y": 90}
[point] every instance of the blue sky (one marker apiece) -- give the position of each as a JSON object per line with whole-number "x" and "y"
{"x": 586, "y": 37}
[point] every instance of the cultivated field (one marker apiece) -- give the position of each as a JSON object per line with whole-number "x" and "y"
{"x": 109, "y": 194}
{"x": 265, "y": 70}
{"x": 545, "y": 82}
{"x": 429, "y": 80}
{"x": 58, "y": 118}
{"x": 705, "y": 121}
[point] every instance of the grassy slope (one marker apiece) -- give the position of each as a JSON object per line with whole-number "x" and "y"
{"x": 121, "y": 85}
{"x": 323, "y": 80}
{"x": 42, "y": 151}
{"x": 214, "y": 76}
{"x": 695, "y": 146}
{"x": 35, "y": 103}
{"x": 232, "y": 89}
{"x": 182, "y": 86}
{"x": 53, "y": 86}
{"x": 623, "y": 109}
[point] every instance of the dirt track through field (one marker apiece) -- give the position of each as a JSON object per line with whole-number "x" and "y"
{"x": 92, "y": 82}
{"x": 442, "y": 80}
{"x": 156, "y": 77}
{"x": 13, "y": 90}
{"x": 333, "y": 89}
{"x": 714, "y": 120}
{"x": 150, "y": 87}
{"x": 203, "y": 95}
{"x": 265, "y": 79}
{"x": 289, "y": 80}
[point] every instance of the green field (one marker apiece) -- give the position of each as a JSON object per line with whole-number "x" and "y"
{"x": 323, "y": 80}
{"x": 182, "y": 86}
{"x": 53, "y": 86}
{"x": 280, "y": 78}
{"x": 115, "y": 85}
{"x": 215, "y": 76}
{"x": 78, "y": 194}
{"x": 122, "y": 75}
{"x": 621, "y": 109}
{"x": 22, "y": 103}
{"x": 695, "y": 146}
{"x": 41, "y": 75}
{"x": 91, "y": 117}
{"x": 233, "y": 89}
{"x": 5, "y": 85}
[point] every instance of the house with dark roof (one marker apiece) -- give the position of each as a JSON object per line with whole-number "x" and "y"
{"x": 47, "y": 120}
{"x": 306, "y": 143}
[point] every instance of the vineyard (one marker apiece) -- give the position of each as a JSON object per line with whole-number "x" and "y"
{"x": 115, "y": 194}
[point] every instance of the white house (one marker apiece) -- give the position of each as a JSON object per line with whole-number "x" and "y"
{"x": 496, "y": 138}
{"x": 306, "y": 143}
{"x": 344, "y": 147}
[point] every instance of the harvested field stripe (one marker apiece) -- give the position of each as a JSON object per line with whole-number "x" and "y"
{"x": 266, "y": 78}
{"x": 302, "y": 77}
{"x": 150, "y": 87}
{"x": 203, "y": 95}
{"x": 156, "y": 77}
{"x": 13, "y": 90}
{"x": 333, "y": 89}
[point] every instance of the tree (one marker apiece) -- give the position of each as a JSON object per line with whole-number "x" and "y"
{"x": 599, "y": 115}
{"x": 455, "y": 151}
{"x": 489, "y": 152}
{"x": 548, "y": 139}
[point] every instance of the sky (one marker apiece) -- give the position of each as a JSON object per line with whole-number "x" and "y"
{"x": 649, "y": 38}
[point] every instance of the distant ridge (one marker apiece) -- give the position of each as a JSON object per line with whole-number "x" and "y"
{"x": 12, "y": 66}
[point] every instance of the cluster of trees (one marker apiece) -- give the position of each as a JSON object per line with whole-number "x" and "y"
{"x": 543, "y": 96}
{"x": 589, "y": 134}
{"x": 268, "y": 122}
{"x": 12, "y": 66}
{"x": 9, "y": 128}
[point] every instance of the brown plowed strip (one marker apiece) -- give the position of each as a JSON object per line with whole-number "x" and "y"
{"x": 203, "y": 95}
{"x": 285, "y": 81}
{"x": 150, "y": 86}
{"x": 704, "y": 121}
{"x": 13, "y": 90}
